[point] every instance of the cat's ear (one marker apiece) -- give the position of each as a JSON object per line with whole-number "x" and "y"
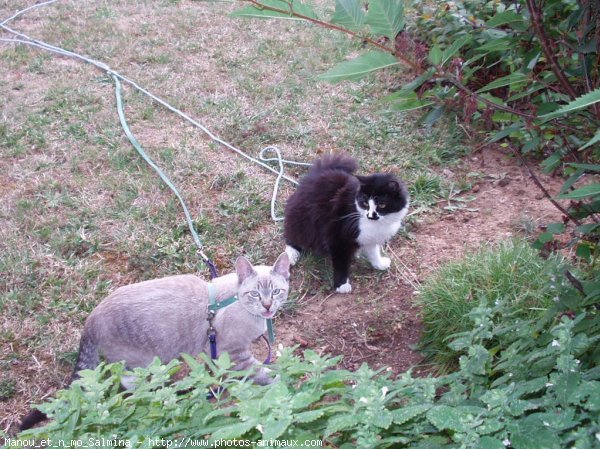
{"x": 282, "y": 266}
{"x": 244, "y": 269}
{"x": 393, "y": 186}
{"x": 364, "y": 180}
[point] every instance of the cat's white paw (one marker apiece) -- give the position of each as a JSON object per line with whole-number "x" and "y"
{"x": 263, "y": 377}
{"x": 128, "y": 382}
{"x": 344, "y": 288}
{"x": 293, "y": 254}
{"x": 382, "y": 264}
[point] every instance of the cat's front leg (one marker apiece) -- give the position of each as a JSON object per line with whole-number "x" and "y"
{"x": 373, "y": 255}
{"x": 341, "y": 258}
{"x": 263, "y": 376}
{"x": 246, "y": 361}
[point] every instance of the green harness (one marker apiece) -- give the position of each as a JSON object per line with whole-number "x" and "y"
{"x": 213, "y": 307}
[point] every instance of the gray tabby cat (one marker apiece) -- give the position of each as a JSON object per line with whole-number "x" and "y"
{"x": 166, "y": 317}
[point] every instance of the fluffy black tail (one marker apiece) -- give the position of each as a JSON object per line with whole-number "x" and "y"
{"x": 32, "y": 418}
{"x": 88, "y": 358}
{"x": 334, "y": 161}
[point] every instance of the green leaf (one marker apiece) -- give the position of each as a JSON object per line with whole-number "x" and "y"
{"x": 495, "y": 45}
{"x": 476, "y": 361}
{"x": 588, "y": 167}
{"x": 452, "y": 418}
{"x": 591, "y": 392}
{"x": 587, "y": 228}
{"x": 584, "y": 251}
{"x": 360, "y": 67}
{"x": 583, "y": 192}
{"x": 407, "y": 90}
{"x": 349, "y": 14}
{"x": 386, "y": 17}
{"x": 410, "y": 105}
{"x": 503, "y": 133}
{"x": 571, "y": 180}
{"x": 531, "y": 145}
{"x": 591, "y": 142}
{"x": 435, "y": 55}
{"x": 236, "y": 430}
{"x": 534, "y": 438}
{"x": 432, "y": 116}
{"x": 308, "y": 416}
{"x": 503, "y": 18}
{"x": 405, "y": 414}
{"x": 274, "y": 427}
{"x": 489, "y": 443}
{"x": 263, "y": 13}
{"x": 552, "y": 162}
{"x": 565, "y": 385}
{"x": 341, "y": 422}
{"x": 382, "y": 418}
{"x": 508, "y": 80}
{"x": 556, "y": 228}
{"x": 453, "y": 49}
{"x": 418, "y": 81}
{"x": 579, "y": 103}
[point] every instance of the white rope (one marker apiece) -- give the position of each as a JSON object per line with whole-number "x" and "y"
{"x": 27, "y": 40}
{"x": 23, "y": 11}
{"x": 280, "y": 161}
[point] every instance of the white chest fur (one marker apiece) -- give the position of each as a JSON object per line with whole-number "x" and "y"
{"x": 377, "y": 232}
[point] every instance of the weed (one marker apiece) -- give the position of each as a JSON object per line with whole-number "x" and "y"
{"x": 527, "y": 227}
{"x": 512, "y": 272}
{"x": 426, "y": 189}
{"x": 7, "y": 388}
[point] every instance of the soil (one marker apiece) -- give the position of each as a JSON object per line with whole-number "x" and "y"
{"x": 378, "y": 323}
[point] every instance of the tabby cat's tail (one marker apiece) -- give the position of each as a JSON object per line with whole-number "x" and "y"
{"x": 88, "y": 358}
{"x": 334, "y": 161}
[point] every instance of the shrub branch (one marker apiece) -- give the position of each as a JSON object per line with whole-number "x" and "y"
{"x": 543, "y": 189}
{"x": 536, "y": 19}
{"x": 332, "y": 26}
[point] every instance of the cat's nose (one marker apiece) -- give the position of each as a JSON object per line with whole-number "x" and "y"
{"x": 267, "y": 305}
{"x": 373, "y": 216}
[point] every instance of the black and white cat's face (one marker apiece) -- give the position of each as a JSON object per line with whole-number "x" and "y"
{"x": 261, "y": 292}
{"x": 381, "y": 195}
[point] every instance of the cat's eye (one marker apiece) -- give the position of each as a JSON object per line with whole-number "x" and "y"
{"x": 277, "y": 291}
{"x": 254, "y": 294}
{"x": 382, "y": 206}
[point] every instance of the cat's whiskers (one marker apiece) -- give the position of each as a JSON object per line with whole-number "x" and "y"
{"x": 350, "y": 215}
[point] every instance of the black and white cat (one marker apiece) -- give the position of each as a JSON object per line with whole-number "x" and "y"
{"x": 335, "y": 213}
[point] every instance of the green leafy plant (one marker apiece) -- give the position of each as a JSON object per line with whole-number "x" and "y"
{"x": 541, "y": 389}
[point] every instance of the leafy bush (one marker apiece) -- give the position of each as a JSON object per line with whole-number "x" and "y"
{"x": 526, "y": 73}
{"x": 539, "y": 390}
{"x": 512, "y": 273}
